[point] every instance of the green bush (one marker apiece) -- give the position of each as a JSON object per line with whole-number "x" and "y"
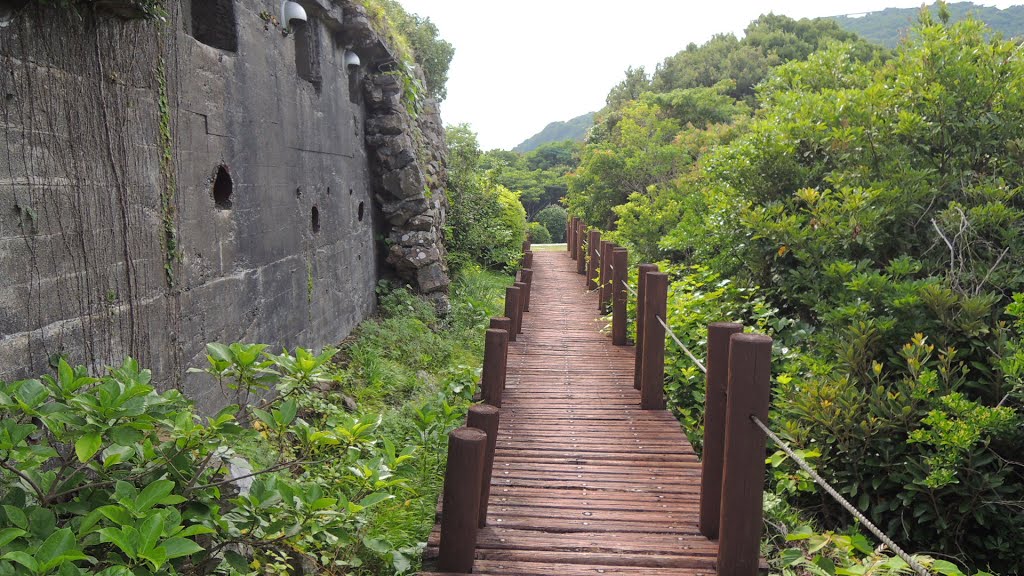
{"x": 537, "y": 233}
{"x": 554, "y": 218}
{"x": 486, "y": 222}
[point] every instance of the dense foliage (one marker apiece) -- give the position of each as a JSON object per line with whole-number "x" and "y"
{"x": 486, "y": 221}
{"x": 103, "y": 475}
{"x": 866, "y": 213}
{"x": 887, "y": 27}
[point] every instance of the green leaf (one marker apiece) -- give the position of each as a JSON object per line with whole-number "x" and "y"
{"x": 153, "y": 494}
{"x": 149, "y": 532}
{"x": 801, "y": 533}
{"x": 946, "y": 568}
{"x": 178, "y": 547}
{"x": 116, "y": 514}
{"x": 219, "y": 351}
{"x": 157, "y": 556}
{"x": 87, "y": 446}
{"x": 791, "y": 556}
{"x": 236, "y": 561}
{"x": 195, "y": 530}
{"x": 120, "y": 539}
{"x": 16, "y": 516}
{"x": 22, "y": 558}
{"x": 7, "y": 535}
{"x": 375, "y": 498}
{"x": 59, "y": 543}
{"x": 286, "y": 413}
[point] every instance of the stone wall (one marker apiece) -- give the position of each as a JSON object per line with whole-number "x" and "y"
{"x": 158, "y": 192}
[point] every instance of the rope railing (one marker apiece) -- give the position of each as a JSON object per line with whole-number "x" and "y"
{"x": 686, "y": 350}
{"x": 914, "y": 564}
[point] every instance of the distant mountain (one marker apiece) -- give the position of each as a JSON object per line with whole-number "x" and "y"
{"x": 886, "y": 27}
{"x": 575, "y": 129}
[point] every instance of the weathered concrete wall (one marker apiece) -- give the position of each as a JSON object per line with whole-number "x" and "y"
{"x": 112, "y": 241}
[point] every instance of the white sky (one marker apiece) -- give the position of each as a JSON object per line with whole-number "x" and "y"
{"x": 524, "y": 63}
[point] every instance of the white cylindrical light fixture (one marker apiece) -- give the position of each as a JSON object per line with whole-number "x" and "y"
{"x": 351, "y": 59}
{"x": 292, "y": 11}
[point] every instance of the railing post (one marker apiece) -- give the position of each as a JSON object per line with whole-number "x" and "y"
{"x": 605, "y": 300}
{"x": 528, "y": 259}
{"x": 593, "y": 253}
{"x": 641, "y": 319}
{"x": 581, "y": 250}
{"x": 526, "y": 275}
{"x": 714, "y": 426}
{"x": 503, "y": 323}
{"x": 620, "y": 263}
{"x": 485, "y": 418}
{"x": 493, "y": 378}
{"x": 652, "y": 393}
{"x": 743, "y": 474}
{"x": 568, "y": 227}
{"x": 460, "y": 508}
{"x": 526, "y": 246}
{"x": 570, "y": 237}
{"x": 522, "y": 302}
{"x": 512, "y": 310}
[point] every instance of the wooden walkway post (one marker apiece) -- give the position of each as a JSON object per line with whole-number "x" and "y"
{"x": 605, "y": 300}
{"x": 652, "y": 393}
{"x": 503, "y": 323}
{"x": 460, "y": 508}
{"x": 714, "y": 426}
{"x": 485, "y": 418}
{"x": 492, "y": 381}
{"x": 570, "y": 237}
{"x": 594, "y": 258}
{"x": 522, "y": 302}
{"x": 619, "y": 265}
{"x": 568, "y": 227}
{"x": 526, "y": 276}
{"x": 512, "y": 311}
{"x": 748, "y": 391}
{"x": 581, "y": 250}
{"x": 528, "y": 259}
{"x": 641, "y": 319}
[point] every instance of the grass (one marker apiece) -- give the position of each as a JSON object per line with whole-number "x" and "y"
{"x": 548, "y": 247}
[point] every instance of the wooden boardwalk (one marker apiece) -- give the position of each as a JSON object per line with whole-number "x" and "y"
{"x": 584, "y": 482}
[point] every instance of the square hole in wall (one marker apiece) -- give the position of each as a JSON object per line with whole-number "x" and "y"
{"x": 212, "y": 22}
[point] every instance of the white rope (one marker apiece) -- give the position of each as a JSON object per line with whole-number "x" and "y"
{"x": 845, "y": 504}
{"x": 630, "y": 288}
{"x": 683, "y": 346}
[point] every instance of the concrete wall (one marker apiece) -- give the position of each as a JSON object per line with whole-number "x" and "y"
{"x": 111, "y": 241}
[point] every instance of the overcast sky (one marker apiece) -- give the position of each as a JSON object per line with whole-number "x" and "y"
{"x": 524, "y": 63}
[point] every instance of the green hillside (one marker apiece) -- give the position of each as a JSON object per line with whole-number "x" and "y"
{"x": 888, "y": 26}
{"x": 575, "y": 129}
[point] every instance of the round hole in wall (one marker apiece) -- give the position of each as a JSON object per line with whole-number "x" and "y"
{"x": 298, "y": 192}
{"x": 349, "y": 191}
{"x": 316, "y": 220}
{"x": 360, "y": 212}
{"x": 223, "y": 187}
